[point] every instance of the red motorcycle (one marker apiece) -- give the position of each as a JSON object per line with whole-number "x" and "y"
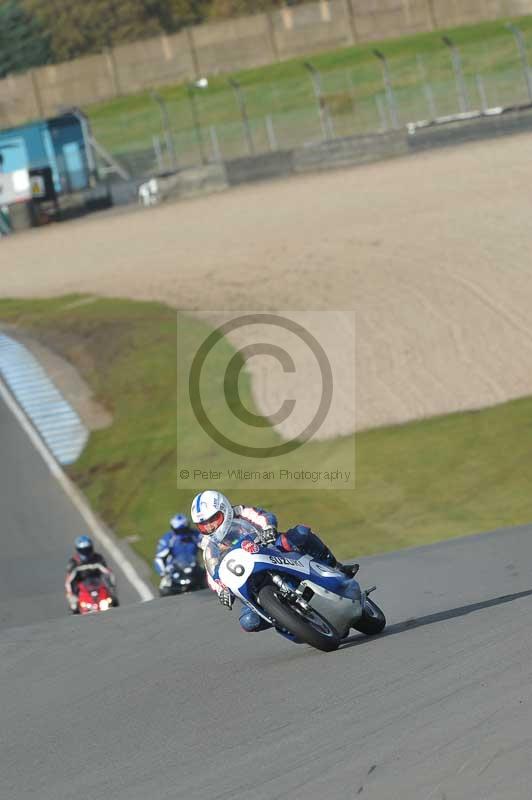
{"x": 94, "y": 595}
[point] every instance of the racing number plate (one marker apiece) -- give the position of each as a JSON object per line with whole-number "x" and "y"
{"x": 235, "y": 569}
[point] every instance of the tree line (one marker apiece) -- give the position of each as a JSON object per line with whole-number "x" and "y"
{"x": 37, "y": 32}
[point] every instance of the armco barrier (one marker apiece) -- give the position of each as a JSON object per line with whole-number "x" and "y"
{"x": 485, "y": 127}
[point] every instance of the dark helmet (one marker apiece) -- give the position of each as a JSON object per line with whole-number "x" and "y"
{"x": 84, "y": 547}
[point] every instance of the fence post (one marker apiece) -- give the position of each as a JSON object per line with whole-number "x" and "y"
{"x": 427, "y": 88}
{"x": 170, "y": 146}
{"x": 201, "y": 83}
{"x": 215, "y": 145}
{"x": 390, "y": 95}
{"x": 481, "y": 92}
{"x": 381, "y": 112}
{"x": 193, "y": 51}
{"x": 243, "y": 113}
{"x": 325, "y": 122}
{"x": 463, "y": 97}
{"x": 272, "y": 138}
{"x": 158, "y": 153}
{"x": 521, "y": 46}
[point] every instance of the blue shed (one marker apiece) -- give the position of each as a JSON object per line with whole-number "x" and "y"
{"x": 59, "y": 142}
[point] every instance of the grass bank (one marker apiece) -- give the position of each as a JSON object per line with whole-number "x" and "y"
{"x": 416, "y": 483}
{"x": 352, "y": 87}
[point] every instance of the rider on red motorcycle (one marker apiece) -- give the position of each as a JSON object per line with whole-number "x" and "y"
{"x": 213, "y": 514}
{"x": 85, "y": 562}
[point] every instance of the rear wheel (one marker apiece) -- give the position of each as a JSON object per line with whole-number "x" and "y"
{"x": 309, "y": 627}
{"x": 372, "y": 621}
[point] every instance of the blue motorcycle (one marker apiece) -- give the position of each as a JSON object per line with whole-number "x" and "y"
{"x": 299, "y": 596}
{"x": 182, "y": 573}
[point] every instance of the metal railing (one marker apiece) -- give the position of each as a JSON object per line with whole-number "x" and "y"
{"x": 216, "y": 122}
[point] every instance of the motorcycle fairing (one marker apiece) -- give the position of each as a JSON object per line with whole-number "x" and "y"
{"x": 333, "y": 593}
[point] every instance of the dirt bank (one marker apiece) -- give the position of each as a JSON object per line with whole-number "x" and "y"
{"x": 433, "y": 253}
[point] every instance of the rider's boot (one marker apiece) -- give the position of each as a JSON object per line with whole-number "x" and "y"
{"x": 301, "y": 537}
{"x": 349, "y": 570}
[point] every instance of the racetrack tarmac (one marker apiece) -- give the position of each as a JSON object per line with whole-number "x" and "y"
{"x": 38, "y": 526}
{"x": 170, "y": 700}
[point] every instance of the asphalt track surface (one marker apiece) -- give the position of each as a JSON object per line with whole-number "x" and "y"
{"x": 169, "y": 699}
{"x": 38, "y": 525}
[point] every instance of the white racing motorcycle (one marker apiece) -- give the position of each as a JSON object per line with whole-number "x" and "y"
{"x": 301, "y": 597}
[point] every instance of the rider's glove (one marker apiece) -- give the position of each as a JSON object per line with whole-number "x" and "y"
{"x": 226, "y": 598}
{"x": 73, "y": 602}
{"x": 268, "y": 536}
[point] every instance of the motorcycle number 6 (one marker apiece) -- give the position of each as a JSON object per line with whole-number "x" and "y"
{"x": 236, "y": 568}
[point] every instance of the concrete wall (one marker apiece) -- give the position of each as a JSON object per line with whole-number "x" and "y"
{"x": 154, "y": 62}
{"x": 79, "y": 82}
{"x": 18, "y": 99}
{"x": 234, "y": 44}
{"x": 261, "y": 167}
{"x": 301, "y": 30}
{"x": 377, "y": 20}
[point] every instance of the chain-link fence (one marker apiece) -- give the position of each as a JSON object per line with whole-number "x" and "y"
{"x": 220, "y": 121}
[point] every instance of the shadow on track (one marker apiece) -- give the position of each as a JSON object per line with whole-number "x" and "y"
{"x": 430, "y": 619}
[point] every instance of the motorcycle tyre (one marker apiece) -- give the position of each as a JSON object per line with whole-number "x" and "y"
{"x": 371, "y": 625}
{"x": 296, "y": 624}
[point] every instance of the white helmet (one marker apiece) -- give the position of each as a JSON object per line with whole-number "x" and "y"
{"x": 212, "y": 513}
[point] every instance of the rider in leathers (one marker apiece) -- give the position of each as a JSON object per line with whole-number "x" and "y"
{"x": 85, "y": 561}
{"x": 169, "y": 545}
{"x": 208, "y": 513}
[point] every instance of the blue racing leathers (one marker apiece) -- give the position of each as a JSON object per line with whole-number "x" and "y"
{"x": 183, "y": 543}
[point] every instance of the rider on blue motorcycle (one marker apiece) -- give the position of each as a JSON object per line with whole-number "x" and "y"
{"x": 213, "y": 515}
{"x": 181, "y": 537}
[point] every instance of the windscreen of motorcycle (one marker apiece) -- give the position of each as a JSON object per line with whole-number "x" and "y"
{"x": 215, "y": 551}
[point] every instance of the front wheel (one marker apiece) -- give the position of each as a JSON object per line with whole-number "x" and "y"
{"x": 309, "y": 627}
{"x": 372, "y": 621}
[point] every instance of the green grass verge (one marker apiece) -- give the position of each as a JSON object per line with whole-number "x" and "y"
{"x": 352, "y": 80}
{"x": 416, "y": 483}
